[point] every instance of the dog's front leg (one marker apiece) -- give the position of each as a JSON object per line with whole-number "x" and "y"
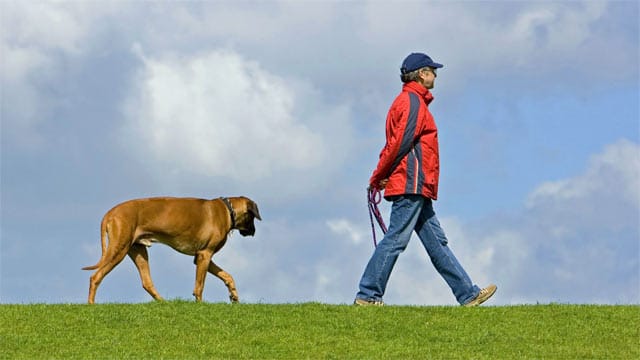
{"x": 227, "y": 279}
{"x": 202, "y": 260}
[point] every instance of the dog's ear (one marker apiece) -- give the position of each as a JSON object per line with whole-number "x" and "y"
{"x": 253, "y": 208}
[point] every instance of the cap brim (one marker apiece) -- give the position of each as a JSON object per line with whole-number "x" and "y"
{"x": 436, "y": 65}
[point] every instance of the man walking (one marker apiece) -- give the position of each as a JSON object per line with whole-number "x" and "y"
{"x": 408, "y": 171}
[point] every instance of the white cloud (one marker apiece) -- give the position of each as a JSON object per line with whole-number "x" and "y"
{"x": 615, "y": 172}
{"x": 344, "y": 227}
{"x": 223, "y": 116}
{"x": 46, "y": 25}
{"x": 218, "y": 114}
{"x": 37, "y": 39}
{"x": 559, "y": 29}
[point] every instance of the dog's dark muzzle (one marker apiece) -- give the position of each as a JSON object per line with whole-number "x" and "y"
{"x": 248, "y": 232}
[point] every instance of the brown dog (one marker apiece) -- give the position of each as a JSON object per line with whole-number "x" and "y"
{"x": 191, "y": 226}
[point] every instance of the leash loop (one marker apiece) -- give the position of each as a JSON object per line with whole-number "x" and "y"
{"x": 374, "y": 197}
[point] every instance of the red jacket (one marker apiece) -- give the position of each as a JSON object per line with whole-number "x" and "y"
{"x": 410, "y": 158}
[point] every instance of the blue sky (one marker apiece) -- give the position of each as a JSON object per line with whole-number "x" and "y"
{"x": 284, "y": 102}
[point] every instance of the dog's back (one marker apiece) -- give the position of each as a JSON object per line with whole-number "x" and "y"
{"x": 170, "y": 220}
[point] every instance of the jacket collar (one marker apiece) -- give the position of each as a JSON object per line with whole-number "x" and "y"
{"x": 419, "y": 90}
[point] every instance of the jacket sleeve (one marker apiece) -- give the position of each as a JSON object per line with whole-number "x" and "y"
{"x": 402, "y": 122}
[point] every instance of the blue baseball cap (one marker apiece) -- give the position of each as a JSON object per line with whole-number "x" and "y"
{"x": 417, "y": 61}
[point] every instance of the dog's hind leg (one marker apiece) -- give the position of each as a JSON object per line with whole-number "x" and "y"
{"x": 112, "y": 259}
{"x": 112, "y": 256}
{"x": 227, "y": 279}
{"x": 138, "y": 253}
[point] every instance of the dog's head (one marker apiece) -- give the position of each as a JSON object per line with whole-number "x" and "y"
{"x": 246, "y": 211}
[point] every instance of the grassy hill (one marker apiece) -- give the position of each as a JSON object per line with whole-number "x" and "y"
{"x": 188, "y": 330}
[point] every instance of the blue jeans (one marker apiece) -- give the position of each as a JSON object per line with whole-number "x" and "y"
{"x": 409, "y": 213}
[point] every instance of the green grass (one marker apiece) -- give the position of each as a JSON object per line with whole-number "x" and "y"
{"x": 187, "y": 330}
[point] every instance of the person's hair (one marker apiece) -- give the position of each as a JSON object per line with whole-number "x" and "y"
{"x": 410, "y": 76}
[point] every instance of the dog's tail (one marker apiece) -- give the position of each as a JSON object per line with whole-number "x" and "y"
{"x": 103, "y": 238}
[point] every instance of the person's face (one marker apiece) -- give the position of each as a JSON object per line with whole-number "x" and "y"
{"x": 428, "y": 77}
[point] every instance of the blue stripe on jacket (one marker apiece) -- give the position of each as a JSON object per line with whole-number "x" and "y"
{"x": 409, "y": 130}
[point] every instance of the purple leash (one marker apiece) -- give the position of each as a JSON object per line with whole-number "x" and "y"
{"x": 374, "y": 197}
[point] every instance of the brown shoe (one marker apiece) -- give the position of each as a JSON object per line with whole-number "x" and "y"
{"x": 483, "y": 296}
{"x": 363, "y": 302}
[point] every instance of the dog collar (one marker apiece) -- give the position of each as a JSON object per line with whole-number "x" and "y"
{"x": 231, "y": 211}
